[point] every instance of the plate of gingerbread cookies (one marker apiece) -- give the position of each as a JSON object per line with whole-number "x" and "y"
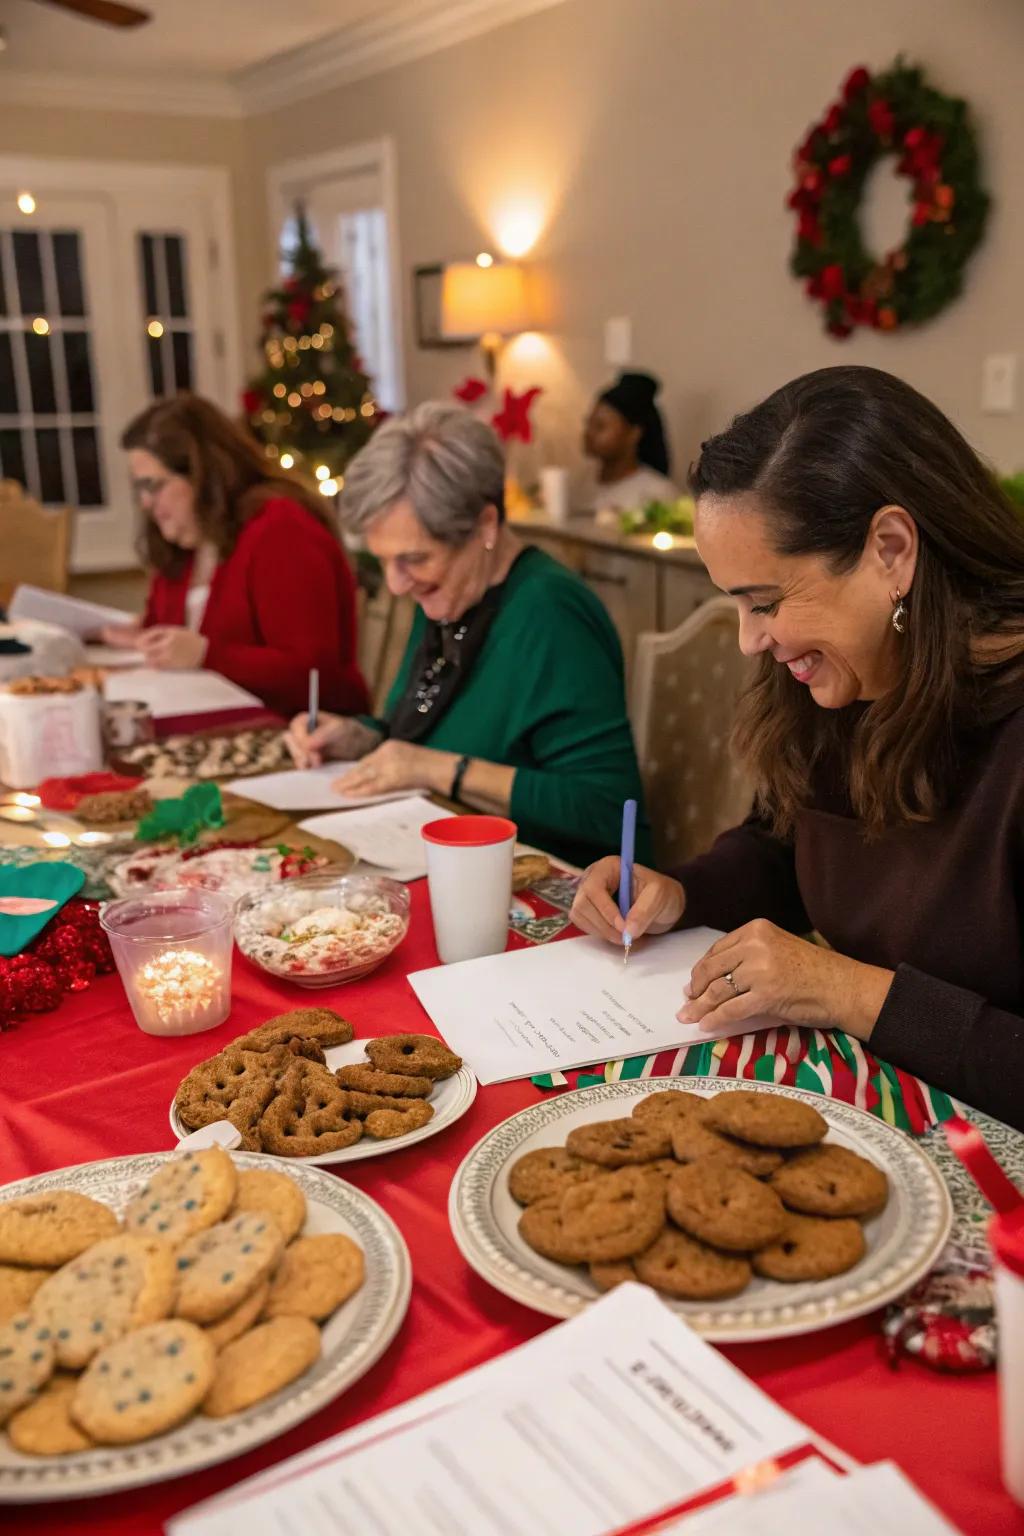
{"x": 165, "y": 1312}
{"x": 302, "y": 1087}
{"x": 756, "y": 1212}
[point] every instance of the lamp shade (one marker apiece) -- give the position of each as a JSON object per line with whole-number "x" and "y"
{"x": 477, "y": 300}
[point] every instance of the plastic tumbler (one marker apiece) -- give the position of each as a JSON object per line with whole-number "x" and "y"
{"x": 173, "y": 953}
{"x": 1006, "y": 1236}
{"x": 469, "y": 874}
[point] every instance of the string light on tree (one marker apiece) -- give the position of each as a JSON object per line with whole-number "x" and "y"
{"x": 26, "y": 203}
{"x": 155, "y": 329}
{"x": 287, "y": 461}
{"x": 322, "y": 472}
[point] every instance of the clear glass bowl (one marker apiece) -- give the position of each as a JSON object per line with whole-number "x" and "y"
{"x": 324, "y": 929}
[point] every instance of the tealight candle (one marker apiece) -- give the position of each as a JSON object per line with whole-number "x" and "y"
{"x": 173, "y": 953}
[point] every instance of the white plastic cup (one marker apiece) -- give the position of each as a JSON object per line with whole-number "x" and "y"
{"x": 469, "y": 874}
{"x": 554, "y": 493}
{"x": 1006, "y": 1235}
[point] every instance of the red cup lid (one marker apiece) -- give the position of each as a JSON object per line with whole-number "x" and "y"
{"x": 469, "y": 831}
{"x": 1006, "y": 1236}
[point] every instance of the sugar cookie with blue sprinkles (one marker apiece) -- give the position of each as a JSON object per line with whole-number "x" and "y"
{"x": 117, "y": 1285}
{"x": 145, "y": 1383}
{"x": 218, "y": 1268}
{"x": 187, "y": 1194}
{"x": 27, "y": 1360}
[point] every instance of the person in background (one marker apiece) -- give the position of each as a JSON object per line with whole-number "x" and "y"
{"x": 249, "y": 577}
{"x": 625, "y": 434}
{"x": 878, "y": 570}
{"x": 510, "y": 697}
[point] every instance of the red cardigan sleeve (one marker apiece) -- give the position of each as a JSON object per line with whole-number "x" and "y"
{"x": 301, "y": 595}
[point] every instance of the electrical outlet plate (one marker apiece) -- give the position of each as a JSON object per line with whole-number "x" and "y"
{"x": 999, "y": 383}
{"x": 618, "y": 341}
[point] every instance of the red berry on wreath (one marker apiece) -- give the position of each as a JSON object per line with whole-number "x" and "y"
{"x": 887, "y": 319}
{"x": 809, "y": 229}
{"x": 833, "y": 281}
{"x": 833, "y": 118}
{"x": 882, "y": 118}
{"x": 856, "y": 81}
{"x": 841, "y": 165}
{"x": 840, "y": 329}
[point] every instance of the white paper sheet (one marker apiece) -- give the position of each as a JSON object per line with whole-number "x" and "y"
{"x": 562, "y": 1005}
{"x": 178, "y": 693}
{"x": 385, "y": 835}
{"x": 112, "y": 656}
{"x": 872, "y": 1501}
{"x": 636, "y": 1412}
{"x": 74, "y": 613}
{"x": 309, "y": 789}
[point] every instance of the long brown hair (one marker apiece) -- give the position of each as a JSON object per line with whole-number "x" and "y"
{"x": 823, "y": 454}
{"x": 230, "y": 476}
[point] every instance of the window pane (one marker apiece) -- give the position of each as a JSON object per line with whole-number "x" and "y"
{"x": 8, "y": 394}
{"x": 51, "y": 476}
{"x": 174, "y": 246}
{"x": 30, "y": 272}
{"x": 12, "y": 462}
{"x": 182, "y": 344}
{"x": 149, "y": 274}
{"x": 87, "y": 467}
{"x": 40, "y": 372}
{"x": 79, "y": 370}
{"x": 67, "y": 259}
{"x": 156, "y": 366}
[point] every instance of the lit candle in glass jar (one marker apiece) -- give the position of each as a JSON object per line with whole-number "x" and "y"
{"x": 173, "y": 953}
{"x": 182, "y": 991}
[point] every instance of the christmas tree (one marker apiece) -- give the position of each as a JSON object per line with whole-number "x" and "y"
{"x": 312, "y": 405}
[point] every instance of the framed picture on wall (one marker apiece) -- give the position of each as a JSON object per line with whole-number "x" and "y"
{"x": 426, "y": 298}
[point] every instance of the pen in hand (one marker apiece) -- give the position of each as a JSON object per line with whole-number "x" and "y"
{"x": 314, "y": 699}
{"x": 626, "y": 870}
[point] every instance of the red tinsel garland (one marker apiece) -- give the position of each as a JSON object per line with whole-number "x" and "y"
{"x": 67, "y": 955}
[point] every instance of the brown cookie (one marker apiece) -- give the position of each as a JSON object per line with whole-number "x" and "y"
{"x": 234, "y": 1080}
{"x": 17, "y": 1287}
{"x": 315, "y": 1276}
{"x": 260, "y": 1363}
{"x": 607, "y": 1276}
{"x": 528, "y": 868}
{"x": 263, "y": 1189}
{"x": 413, "y": 1056}
{"x": 48, "y": 1229}
{"x": 811, "y": 1248}
{"x": 363, "y": 1078}
{"x": 693, "y": 1141}
{"x": 240, "y": 1319}
{"x": 765, "y": 1118}
{"x": 613, "y": 1218}
{"x": 618, "y": 1143}
{"x": 44, "y": 1427}
{"x": 831, "y": 1181}
{"x": 670, "y": 1104}
{"x": 680, "y": 1265}
{"x": 407, "y": 1115}
{"x": 547, "y": 1171}
{"x": 724, "y": 1206}
{"x": 662, "y": 1169}
{"x": 541, "y": 1228}
{"x": 323, "y": 1025}
{"x": 309, "y": 1116}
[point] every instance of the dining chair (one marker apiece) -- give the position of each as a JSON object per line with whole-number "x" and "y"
{"x": 34, "y": 542}
{"x": 685, "y": 687}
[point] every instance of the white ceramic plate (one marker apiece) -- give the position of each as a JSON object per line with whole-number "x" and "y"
{"x": 903, "y": 1242}
{"x": 450, "y": 1098}
{"x": 353, "y": 1340}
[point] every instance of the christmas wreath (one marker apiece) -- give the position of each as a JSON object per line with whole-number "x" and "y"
{"x": 895, "y": 113}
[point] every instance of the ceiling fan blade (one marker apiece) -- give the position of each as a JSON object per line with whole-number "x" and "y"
{"x": 107, "y": 11}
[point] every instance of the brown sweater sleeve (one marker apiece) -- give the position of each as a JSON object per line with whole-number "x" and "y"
{"x": 956, "y": 1040}
{"x": 746, "y": 873}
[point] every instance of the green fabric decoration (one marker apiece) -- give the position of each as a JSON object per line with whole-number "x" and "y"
{"x": 32, "y": 886}
{"x": 184, "y": 817}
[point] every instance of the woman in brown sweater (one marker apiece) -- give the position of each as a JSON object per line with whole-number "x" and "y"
{"x": 879, "y": 576}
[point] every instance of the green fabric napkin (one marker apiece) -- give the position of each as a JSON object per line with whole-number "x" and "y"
{"x": 30, "y": 897}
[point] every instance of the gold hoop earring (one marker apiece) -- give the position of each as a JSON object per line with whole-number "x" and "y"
{"x": 899, "y": 613}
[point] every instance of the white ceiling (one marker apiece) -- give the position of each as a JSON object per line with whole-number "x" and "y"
{"x": 198, "y": 37}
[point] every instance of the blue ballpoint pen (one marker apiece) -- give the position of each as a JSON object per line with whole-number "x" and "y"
{"x": 626, "y": 869}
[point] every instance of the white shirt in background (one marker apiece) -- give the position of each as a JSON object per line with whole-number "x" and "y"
{"x": 196, "y": 599}
{"x": 636, "y": 490}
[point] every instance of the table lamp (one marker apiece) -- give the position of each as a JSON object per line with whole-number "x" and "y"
{"x": 484, "y": 298}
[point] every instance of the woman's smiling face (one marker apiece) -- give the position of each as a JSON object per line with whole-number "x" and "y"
{"x": 832, "y": 631}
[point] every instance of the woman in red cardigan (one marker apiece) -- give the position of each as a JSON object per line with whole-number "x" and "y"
{"x": 249, "y": 578}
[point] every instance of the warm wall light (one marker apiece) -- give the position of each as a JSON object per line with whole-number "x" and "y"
{"x": 484, "y": 302}
{"x": 155, "y": 329}
{"x": 662, "y": 540}
{"x": 485, "y": 259}
{"x": 41, "y": 326}
{"x": 517, "y": 225}
{"x": 26, "y": 202}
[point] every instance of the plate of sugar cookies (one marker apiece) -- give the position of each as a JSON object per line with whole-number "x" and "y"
{"x": 164, "y": 1312}
{"x": 756, "y": 1212}
{"x": 301, "y": 1087}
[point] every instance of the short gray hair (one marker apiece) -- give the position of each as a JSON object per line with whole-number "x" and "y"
{"x": 446, "y": 461}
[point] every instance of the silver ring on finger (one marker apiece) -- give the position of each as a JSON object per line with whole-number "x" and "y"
{"x": 730, "y": 978}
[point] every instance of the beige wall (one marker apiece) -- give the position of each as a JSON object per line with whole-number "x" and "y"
{"x": 149, "y": 138}
{"x": 653, "y": 138}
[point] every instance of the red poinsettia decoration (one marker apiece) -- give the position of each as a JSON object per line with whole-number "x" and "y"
{"x": 513, "y": 420}
{"x": 470, "y": 390}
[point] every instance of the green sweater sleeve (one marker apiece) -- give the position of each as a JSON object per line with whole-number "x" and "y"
{"x": 570, "y": 698}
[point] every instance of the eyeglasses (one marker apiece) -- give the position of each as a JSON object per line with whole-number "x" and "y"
{"x": 149, "y": 485}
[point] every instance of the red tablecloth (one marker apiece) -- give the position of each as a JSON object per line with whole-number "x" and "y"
{"x": 85, "y": 1083}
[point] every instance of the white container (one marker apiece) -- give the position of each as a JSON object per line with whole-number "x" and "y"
{"x": 173, "y": 954}
{"x": 469, "y": 874}
{"x": 1006, "y": 1235}
{"x": 554, "y": 493}
{"x": 48, "y": 735}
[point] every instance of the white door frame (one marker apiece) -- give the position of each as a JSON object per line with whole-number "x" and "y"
{"x": 287, "y": 179}
{"x": 41, "y": 174}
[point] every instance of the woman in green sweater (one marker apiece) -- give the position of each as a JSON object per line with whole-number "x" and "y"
{"x": 510, "y": 695}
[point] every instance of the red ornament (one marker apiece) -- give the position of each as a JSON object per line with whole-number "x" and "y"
{"x": 881, "y": 118}
{"x": 833, "y": 281}
{"x": 64, "y": 958}
{"x": 809, "y": 229}
{"x": 298, "y": 311}
{"x": 856, "y": 81}
{"x": 921, "y": 215}
{"x": 470, "y": 390}
{"x": 842, "y": 165}
{"x": 252, "y": 401}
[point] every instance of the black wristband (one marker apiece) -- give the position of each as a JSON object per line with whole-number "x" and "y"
{"x": 458, "y": 776}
